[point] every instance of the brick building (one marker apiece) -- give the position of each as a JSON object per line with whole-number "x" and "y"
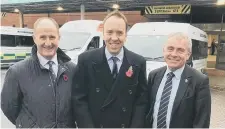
{"x": 13, "y": 19}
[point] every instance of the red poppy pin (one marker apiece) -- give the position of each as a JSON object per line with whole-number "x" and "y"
{"x": 65, "y": 77}
{"x": 129, "y": 72}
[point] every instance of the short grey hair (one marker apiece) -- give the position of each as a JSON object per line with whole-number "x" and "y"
{"x": 181, "y": 36}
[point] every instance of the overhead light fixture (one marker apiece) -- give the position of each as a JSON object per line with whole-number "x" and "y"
{"x": 220, "y": 2}
{"x": 115, "y": 6}
{"x": 60, "y": 8}
{"x": 16, "y": 10}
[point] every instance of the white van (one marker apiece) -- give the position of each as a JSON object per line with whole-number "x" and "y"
{"x": 16, "y": 44}
{"x": 147, "y": 39}
{"x": 79, "y": 36}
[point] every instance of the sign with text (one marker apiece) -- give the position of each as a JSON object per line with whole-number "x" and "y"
{"x": 168, "y": 9}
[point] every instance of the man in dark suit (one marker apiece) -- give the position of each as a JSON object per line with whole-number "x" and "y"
{"x": 110, "y": 89}
{"x": 179, "y": 95}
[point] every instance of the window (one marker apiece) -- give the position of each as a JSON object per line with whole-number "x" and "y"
{"x": 15, "y": 40}
{"x": 199, "y": 49}
{"x": 26, "y": 41}
{"x": 94, "y": 43}
{"x": 8, "y": 40}
{"x": 149, "y": 46}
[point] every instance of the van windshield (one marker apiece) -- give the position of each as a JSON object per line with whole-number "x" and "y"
{"x": 151, "y": 47}
{"x": 73, "y": 40}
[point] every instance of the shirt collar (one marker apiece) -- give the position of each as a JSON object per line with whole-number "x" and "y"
{"x": 43, "y": 61}
{"x": 119, "y": 56}
{"x": 177, "y": 72}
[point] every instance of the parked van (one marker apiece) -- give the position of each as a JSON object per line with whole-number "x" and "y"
{"x": 16, "y": 44}
{"x": 147, "y": 39}
{"x": 80, "y": 36}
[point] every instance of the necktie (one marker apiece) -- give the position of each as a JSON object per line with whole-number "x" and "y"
{"x": 50, "y": 63}
{"x": 115, "y": 69}
{"x": 162, "y": 113}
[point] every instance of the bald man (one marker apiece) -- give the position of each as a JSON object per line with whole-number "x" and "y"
{"x": 37, "y": 91}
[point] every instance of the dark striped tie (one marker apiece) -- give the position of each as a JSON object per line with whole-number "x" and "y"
{"x": 115, "y": 69}
{"x": 162, "y": 113}
{"x": 50, "y": 63}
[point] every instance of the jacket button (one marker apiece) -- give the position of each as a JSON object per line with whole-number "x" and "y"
{"x": 130, "y": 92}
{"x": 122, "y": 125}
{"x": 124, "y": 109}
{"x": 97, "y": 89}
{"x": 20, "y": 125}
{"x": 101, "y": 126}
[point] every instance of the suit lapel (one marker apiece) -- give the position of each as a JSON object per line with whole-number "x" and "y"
{"x": 122, "y": 79}
{"x": 184, "y": 82}
{"x": 101, "y": 68}
{"x": 157, "y": 80}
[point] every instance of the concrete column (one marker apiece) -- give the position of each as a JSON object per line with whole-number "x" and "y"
{"x": 21, "y": 18}
{"x": 222, "y": 19}
{"x": 221, "y": 28}
{"x": 82, "y": 11}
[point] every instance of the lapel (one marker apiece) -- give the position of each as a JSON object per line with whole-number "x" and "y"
{"x": 101, "y": 70}
{"x": 122, "y": 80}
{"x": 61, "y": 70}
{"x": 157, "y": 80}
{"x": 184, "y": 82}
{"x": 155, "y": 83}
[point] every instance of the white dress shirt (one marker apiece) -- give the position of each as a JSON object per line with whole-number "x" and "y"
{"x": 110, "y": 61}
{"x": 44, "y": 62}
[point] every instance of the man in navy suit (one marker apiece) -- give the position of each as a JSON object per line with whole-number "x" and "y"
{"x": 110, "y": 82}
{"x": 179, "y": 95}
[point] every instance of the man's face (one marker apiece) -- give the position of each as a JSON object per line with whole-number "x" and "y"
{"x": 46, "y": 37}
{"x": 176, "y": 53}
{"x": 114, "y": 33}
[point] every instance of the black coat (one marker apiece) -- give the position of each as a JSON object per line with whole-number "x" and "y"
{"x": 192, "y": 105}
{"x": 30, "y": 100}
{"x": 100, "y": 103}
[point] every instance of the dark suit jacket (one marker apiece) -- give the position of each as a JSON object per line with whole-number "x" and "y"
{"x": 192, "y": 105}
{"x": 100, "y": 103}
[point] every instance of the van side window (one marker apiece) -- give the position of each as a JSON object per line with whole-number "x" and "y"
{"x": 8, "y": 40}
{"x": 24, "y": 41}
{"x": 199, "y": 49}
{"x": 94, "y": 43}
{"x": 189, "y": 61}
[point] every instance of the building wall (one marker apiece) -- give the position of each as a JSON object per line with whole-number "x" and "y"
{"x": 29, "y": 19}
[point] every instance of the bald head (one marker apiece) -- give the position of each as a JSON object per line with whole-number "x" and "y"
{"x": 46, "y": 22}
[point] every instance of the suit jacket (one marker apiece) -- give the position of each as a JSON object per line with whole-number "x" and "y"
{"x": 192, "y": 105}
{"x": 98, "y": 102}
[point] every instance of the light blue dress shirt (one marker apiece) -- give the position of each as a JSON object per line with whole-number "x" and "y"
{"x": 175, "y": 85}
{"x": 110, "y": 61}
{"x": 44, "y": 62}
